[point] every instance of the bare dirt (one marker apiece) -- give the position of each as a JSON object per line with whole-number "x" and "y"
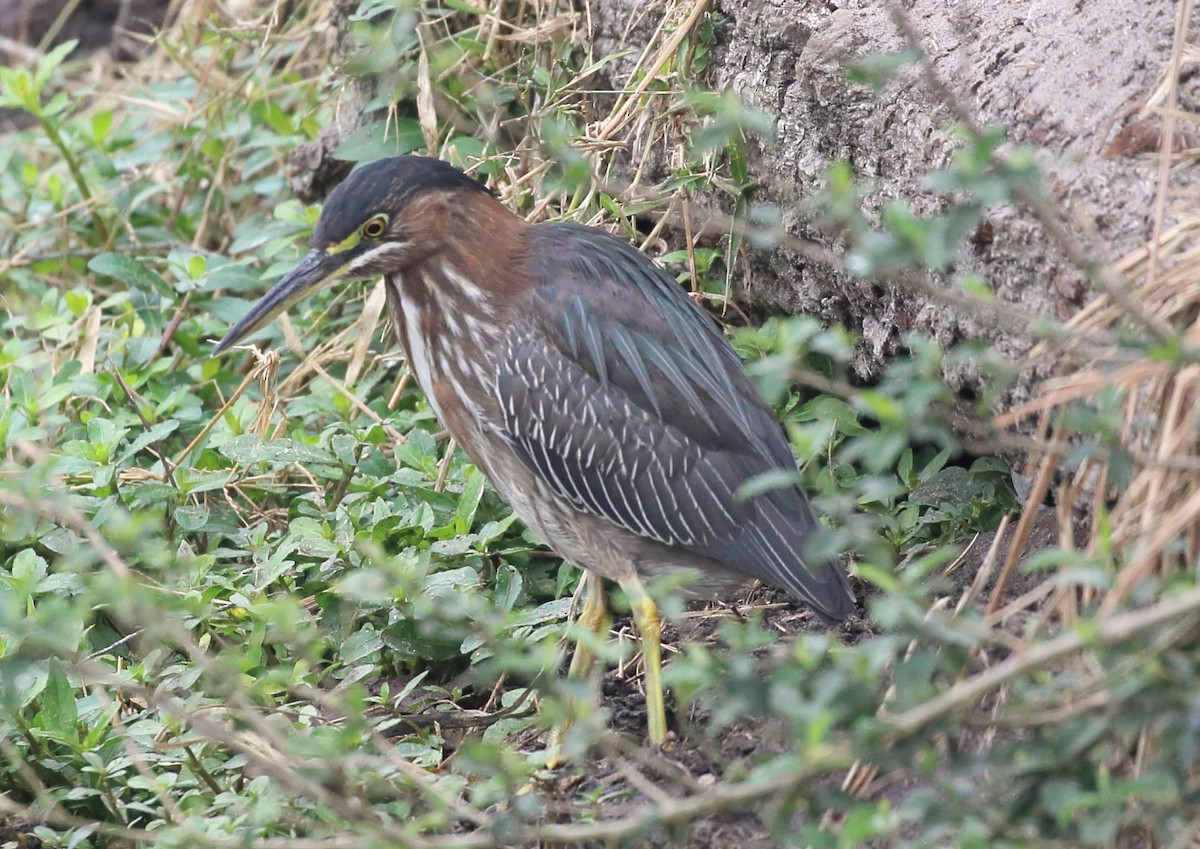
{"x": 692, "y": 760}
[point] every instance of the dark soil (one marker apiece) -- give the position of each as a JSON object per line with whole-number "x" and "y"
{"x": 690, "y": 762}
{"x": 20, "y": 834}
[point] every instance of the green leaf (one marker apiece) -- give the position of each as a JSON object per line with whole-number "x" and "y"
{"x": 465, "y": 7}
{"x": 877, "y": 69}
{"x": 450, "y": 581}
{"x": 148, "y": 437}
{"x": 509, "y": 585}
{"x": 133, "y": 273}
{"x": 50, "y": 63}
{"x": 276, "y": 117}
{"x": 249, "y": 448}
{"x": 191, "y": 517}
{"x": 16, "y": 89}
{"x": 381, "y": 138}
{"x": 28, "y": 568}
{"x": 766, "y": 482}
{"x": 407, "y": 639}
{"x": 311, "y": 537}
{"x": 468, "y": 502}
{"x": 59, "y": 711}
{"x": 345, "y": 448}
{"x": 80, "y": 835}
{"x": 101, "y": 126}
{"x": 196, "y": 266}
{"x": 77, "y": 302}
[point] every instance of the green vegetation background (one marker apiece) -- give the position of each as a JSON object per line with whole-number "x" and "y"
{"x": 260, "y": 601}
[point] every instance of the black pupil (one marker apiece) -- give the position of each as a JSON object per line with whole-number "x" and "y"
{"x": 374, "y": 228}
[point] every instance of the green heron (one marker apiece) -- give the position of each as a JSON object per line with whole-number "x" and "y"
{"x": 601, "y": 402}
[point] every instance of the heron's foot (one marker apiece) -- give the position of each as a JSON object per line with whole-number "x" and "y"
{"x": 645, "y": 617}
{"x": 593, "y": 620}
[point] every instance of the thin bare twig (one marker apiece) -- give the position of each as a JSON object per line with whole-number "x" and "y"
{"x": 1113, "y": 630}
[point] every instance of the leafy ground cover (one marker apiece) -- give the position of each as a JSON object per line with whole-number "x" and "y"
{"x": 262, "y": 600}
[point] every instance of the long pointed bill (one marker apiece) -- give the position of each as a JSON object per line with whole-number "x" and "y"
{"x": 317, "y": 270}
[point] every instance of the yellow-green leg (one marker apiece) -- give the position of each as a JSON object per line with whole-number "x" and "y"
{"x": 645, "y": 616}
{"x": 593, "y": 618}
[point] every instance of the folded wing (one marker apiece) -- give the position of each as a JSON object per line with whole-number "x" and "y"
{"x": 629, "y": 403}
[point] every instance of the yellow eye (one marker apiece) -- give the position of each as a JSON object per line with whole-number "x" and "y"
{"x": 376, "y": 227}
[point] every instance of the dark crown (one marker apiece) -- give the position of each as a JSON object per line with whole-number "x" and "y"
{"x": 386, "y": 185}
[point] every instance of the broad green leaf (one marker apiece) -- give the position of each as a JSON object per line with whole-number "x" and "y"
{"x": 59, "y": 712}
{"x": 133, "y": 273}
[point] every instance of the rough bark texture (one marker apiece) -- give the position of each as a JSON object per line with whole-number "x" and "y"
{"x": 1064, "y": 76}
{"x": 312, "y": 169}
